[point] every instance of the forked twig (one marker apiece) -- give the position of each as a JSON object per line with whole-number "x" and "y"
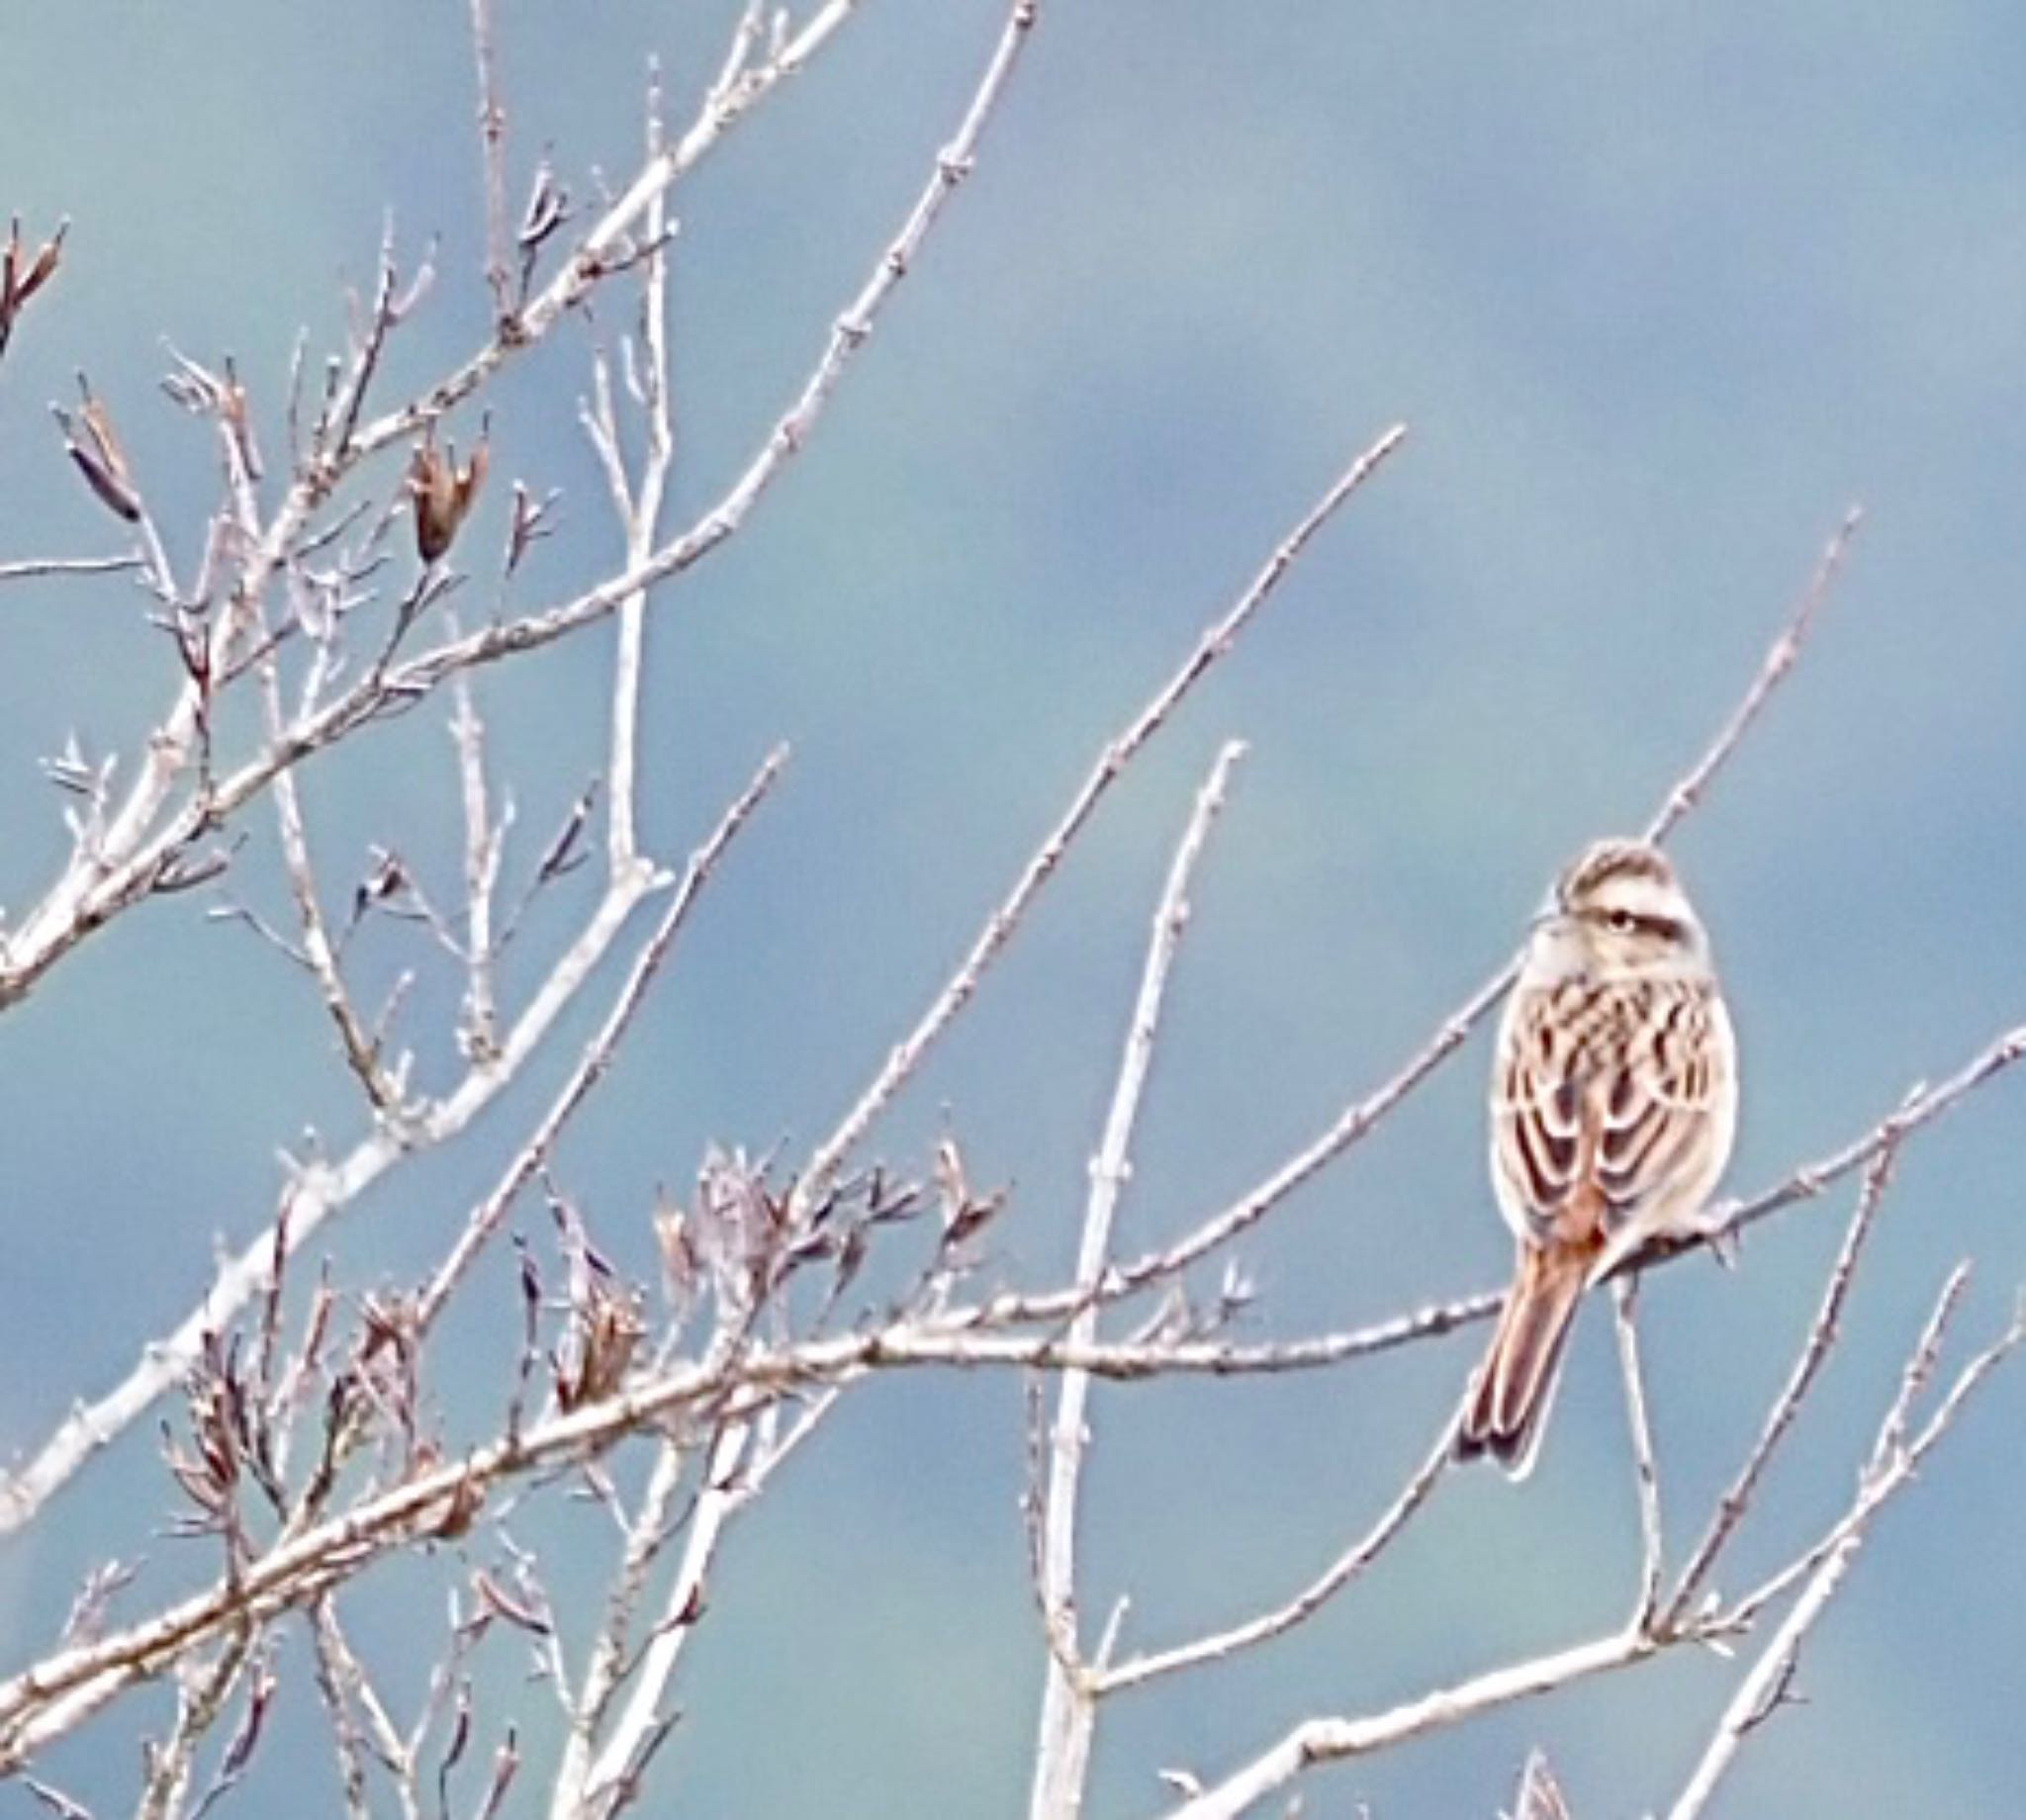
{"x": 1892, "y": 1466}
{"x": 1821, "y": 1335}
{"x": 1821, "y": 1571}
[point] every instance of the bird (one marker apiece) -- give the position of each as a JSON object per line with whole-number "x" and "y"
{"x": 1613, "y": 1109}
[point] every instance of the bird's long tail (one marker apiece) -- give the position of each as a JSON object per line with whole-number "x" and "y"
{"x": 1508, "y": 1402}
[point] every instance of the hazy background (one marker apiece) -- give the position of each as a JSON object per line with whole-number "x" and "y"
{"x": 1661, "y": 291}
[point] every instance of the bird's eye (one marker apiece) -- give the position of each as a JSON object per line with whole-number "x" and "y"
{"x": 1623, "y": 921}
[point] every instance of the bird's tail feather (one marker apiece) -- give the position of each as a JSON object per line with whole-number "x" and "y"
{"x": 1508, "y": 1402}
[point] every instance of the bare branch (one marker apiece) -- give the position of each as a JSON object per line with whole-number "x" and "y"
{"x": 1893, "y": 1451}
{"x": 484, "y": 840}
{"x": 1687, "y": 793}
{"x": 1069, "y": 1715}
{"x": 1923, "y": 1109}
{"x": 642, "y": 517}
{"x": 1821, "y": 1570}
{"x": 1821, "y": 1335}
{"x": 342, "y": 1683}
{"x": 647, "y": 1533}
{"x": 728, "y": 1484}
{"x": 1321, "y": 1741}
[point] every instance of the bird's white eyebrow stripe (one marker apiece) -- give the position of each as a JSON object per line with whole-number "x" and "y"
{"x": 1641, "y": 894}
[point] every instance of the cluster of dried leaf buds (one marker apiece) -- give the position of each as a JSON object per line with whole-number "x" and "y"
{"x": 743, "y": 1238}
{"x": 231, "y": 1441}
{"x": 606, "y": 1329}
{"x": 443, "y": 494}
{"x": 739, "y": 1246}
{"x": 22, "y": 277}
{"x": 736, "y": 1240}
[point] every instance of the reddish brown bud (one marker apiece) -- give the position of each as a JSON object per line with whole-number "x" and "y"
{"x": 89, "y": 441}
{"x": 441, "y": 494}
{"x": 20, "y": 279}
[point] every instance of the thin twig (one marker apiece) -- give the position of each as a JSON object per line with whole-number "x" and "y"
{"x": 647, "y": 1531}
{"x": 642, "y": 520}
{"x": 342, "y": 1683}
{"x": 1340, "y": 1573}
{"x": 492, "y": 122}
{"x": 1765, "y": 1684}
{"x": 1646, "y": 1474}
{"x": 1120, "y": 752}
{"x": 483, "y": 845}
{"x": 1893, "y": 1451}
{"x": 1068, "y": 1712}
{"x": 730, "y": 1480}
{"x": 1893, "y": 1465}
{"x": 2007, "y": 1048}
{"x": 1687, "y": 793}
{"x": 201, "y": 1698}
{"x": 361, "y": 1051}
{"x": 34, "y": 567}
{"x": 1821, "y": 1335}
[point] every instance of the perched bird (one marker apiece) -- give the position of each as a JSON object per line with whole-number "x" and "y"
{"x": 1613, "y": 1104}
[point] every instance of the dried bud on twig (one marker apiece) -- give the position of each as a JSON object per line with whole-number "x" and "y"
{"x": 20, "y": 279}
{"x": 737, "y": 1227}
{"x": 461, "y": 1511}
{"x": 443, "y": 494}
{"x": 964, "y": 1213}
{"x": 681, "y": 1269}
{"x": 548, "y": 208}
{"x": 530, "y": 523}
{"x": 216, "y": 394}
{"x": 226, "y": 1440}
{"x": 386, "y": 1370}
{"x": 89, "y": 441}
{"x": 1540, "y": 1797}
{"x": 607, "y": 1329}
{"x": 387, "y": 880}
{"x": 525, "y": 1609}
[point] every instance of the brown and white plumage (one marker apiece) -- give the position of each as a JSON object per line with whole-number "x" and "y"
{"x": 1613, "y": 1108}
